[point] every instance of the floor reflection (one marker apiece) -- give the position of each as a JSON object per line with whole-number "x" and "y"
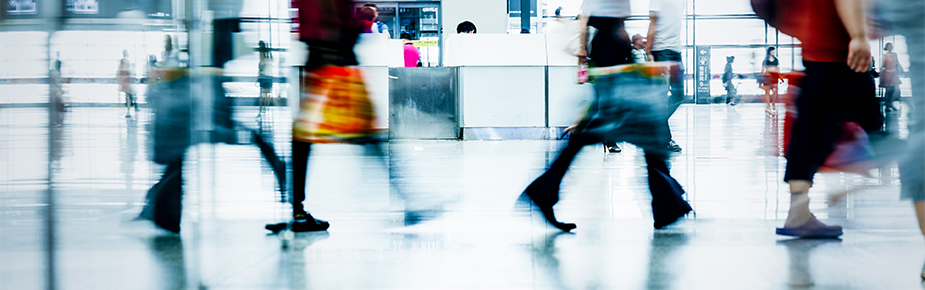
{"x": 799, "y": 253}
{"x": 663, "y": 259}
{"x": 168, "y": 253}
{"x": 544, "y": 256}
{"x": 293, "y": 269}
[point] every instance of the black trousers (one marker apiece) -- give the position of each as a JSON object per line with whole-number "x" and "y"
{"x": 302, "y": 150}
{"x": 163, "y": 203}
{"x": 830, "y": 95}
{"x": 667, "y": 199}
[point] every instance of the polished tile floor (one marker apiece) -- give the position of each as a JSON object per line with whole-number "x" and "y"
{"x": 730, "y": 167}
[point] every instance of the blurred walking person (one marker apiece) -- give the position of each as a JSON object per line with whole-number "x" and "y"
{"x": 125, "y": 75}
{"x": 627, "y": 107}
{"x": 663, "y": 43}
{"x": 334, "y": 106}
{"x": 172, "y": 136}
{"x": 907, "y": 18}
{"x": 890, "y": 70}
{"x": 836, "y": 93}
{"x": 769, "y": 79}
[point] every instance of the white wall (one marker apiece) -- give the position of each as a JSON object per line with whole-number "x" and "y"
{"x": 489, "y": 16}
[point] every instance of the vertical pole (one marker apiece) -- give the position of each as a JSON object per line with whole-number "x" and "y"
{"x": 55, "y": 17}
{"x": 524, "y": 16}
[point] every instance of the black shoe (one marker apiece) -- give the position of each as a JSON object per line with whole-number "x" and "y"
{"x": 301, "y": 216}
{"x": 276, "y": 228}
{"x": 312, "y": 225}
{"x": 413, "y": 217}
{"x": 545, "y": 206}
{"x": 673, "y": 147}
{"x": 613, "y": 149}
{"x": 665, "y": 220}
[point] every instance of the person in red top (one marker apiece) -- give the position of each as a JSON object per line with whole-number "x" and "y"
{"x": 835, "y": 90}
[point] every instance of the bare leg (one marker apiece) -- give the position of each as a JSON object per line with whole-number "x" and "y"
{"x": 767, "y": 99}
{"x": 800, "y": 221}
{"x": 919, "y": 206}
{"x": 799, "y": 203}
{"x": 773, "y": 98}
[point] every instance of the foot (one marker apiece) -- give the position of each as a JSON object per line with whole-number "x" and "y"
{"x": 546, "y": 208}
{"x": 811, "y": 229}
{"x": 670, "y": 219}
{"x": 127, "y": 115}
{"x": 312, "y": 225}
{"x": 673, "y": 147}
{"x": 614, "y": 149}
{"x": 923, "y": 273}
{"x": 413, "y": 217}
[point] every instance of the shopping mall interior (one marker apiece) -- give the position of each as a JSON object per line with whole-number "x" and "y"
{"x": 434, "y": 195}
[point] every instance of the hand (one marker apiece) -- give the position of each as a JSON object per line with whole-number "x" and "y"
{"x": 859, "y": 54}
{"x": 570, "y": 129}
{"x": 582, "y": 52}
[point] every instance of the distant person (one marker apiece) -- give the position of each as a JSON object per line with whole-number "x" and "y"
{"x": 559, "y": 25}
{"x": 664, "y": 44}
{"x": 890, "y": 70}
{"x": 152, "y": 76}
{"x": 769, "y": 79}
{"x": 466, "y": 27}
{"x": 124, "y": 77}
{"x": 56, "y": 98}
{"x": 728, "y": 77}
{"x": 835, "y": 92}
{"x": 170, "y": 57}
{"x": 412, "y": 55}
{"x": 370, "y": 16}
{"x": 264, "y": 76}
{"x": 639, "y": 48}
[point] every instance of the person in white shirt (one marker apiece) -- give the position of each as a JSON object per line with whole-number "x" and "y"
{"x": 664, "y": 44}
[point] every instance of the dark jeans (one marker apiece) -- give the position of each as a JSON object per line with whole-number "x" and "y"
{"x": 163, "y": 203}
{"x": 676, "y": 85}
{"x": 667, "y": 200}
{"x": 676, "y": 80}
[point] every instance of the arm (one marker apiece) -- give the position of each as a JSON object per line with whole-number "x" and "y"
{"x": 650, "y": 36}
{"x": 583, "y": 35}
{"x": 852, "y": 15}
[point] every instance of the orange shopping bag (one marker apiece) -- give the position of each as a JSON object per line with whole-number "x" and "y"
{"x": 334, "y": 107}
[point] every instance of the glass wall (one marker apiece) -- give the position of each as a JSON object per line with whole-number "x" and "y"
{"x": 724, "y": 28}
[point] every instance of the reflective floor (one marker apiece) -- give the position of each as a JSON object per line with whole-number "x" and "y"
{"x": 730, "y": 167}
